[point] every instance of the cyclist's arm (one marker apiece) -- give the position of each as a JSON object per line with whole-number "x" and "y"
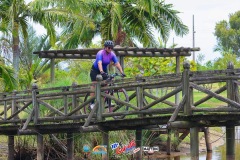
{"x": 100, "y": 66}
{"x": 119, "y": 67}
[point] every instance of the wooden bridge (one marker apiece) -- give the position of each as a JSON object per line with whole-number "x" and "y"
{"x": 60, "y": 109}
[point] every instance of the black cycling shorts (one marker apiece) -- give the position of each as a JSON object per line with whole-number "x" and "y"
{"x": 94, "y": 72}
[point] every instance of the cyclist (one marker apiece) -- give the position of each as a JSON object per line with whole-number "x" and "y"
{"x": 103, "y": 58}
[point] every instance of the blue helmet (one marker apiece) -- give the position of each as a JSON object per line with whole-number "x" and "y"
{"x": 108, "y": 43}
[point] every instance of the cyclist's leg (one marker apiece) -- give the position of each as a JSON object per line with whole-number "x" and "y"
{"x": 93, "y": 74}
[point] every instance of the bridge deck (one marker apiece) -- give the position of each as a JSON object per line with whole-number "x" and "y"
{"x": 61, "y": 109}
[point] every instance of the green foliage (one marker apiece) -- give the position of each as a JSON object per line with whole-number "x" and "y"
{"x": 126, "y": 22}
{"x": 228, "y": 34}
{"x": 7, "y": 80}
{"x": 150, "y": 66}
{"x": 222, "y": 62}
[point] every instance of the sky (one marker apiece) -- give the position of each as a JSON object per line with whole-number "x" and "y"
{"x": 206, "y": 15}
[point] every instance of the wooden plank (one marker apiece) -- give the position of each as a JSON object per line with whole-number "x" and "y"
{"x": 176, "y": 111}
{"x": 218, "y": 91}
{"x": 178, "y": 89}
{"x": 50, "y": 107}
{"x": 231, "y": 102}
{"x": 87, "y": 122}
{"x": 119, "y": 101}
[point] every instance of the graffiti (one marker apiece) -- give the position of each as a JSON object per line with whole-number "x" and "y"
{"x": 100, "y": 149}
{"x": 126, "y": 148}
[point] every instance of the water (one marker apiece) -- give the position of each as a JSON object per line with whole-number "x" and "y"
{"x": 219, "y": 153}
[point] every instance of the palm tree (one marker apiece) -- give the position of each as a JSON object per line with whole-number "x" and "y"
{"x": 7, "y": 81}
{"x": 16, "y": 14}
{"x": 126, "y": 22}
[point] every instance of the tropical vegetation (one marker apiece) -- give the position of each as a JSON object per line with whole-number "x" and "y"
{"x": 71, "y": 24}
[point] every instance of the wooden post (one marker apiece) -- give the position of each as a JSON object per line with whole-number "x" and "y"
{"x": 52, "y": 63}
{"x": 194, "y": 143}
{"x": 106, "y": 143}
{"x": 65, "y": 101}
{"x": 11, "y": 150}
{"x": 14, "y": 104}
{"x": 139, "y": 143}
{"x": 98, "y": 97}
{"x": 70, "y": 146}
{"x": 186, "y": 92}
{"x": 40, "y": 147}
{"x": 74, "y": 98}
{"x": 230, "y": 129}
{"x": 169, "y": 141}
{"x": 121, "y": 61}
{"x": 177, "y": 99}
{"x": 35, "y": 103}
{"x": 207, "y": 139}
{"x": 140, "y": 98}
{"x": 5, "y": 107}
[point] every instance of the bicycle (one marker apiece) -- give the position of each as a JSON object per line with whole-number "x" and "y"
{"x": 110, "y": 104}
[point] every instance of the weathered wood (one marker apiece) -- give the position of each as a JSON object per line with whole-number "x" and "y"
{"x": 81, "y": 106}
{"x": 207, "y": 139}
{"x": 40, "y": 147}
{"x": 230, "y": 140}
{"x": 220, "y": 90}
{"x": 119, "y": 101}
{"x": 70, "y": 146}
{"x": 74, "y": 97}
{"x": 11, "y": 150}
{"x": 14, "y": 105}
{"x": 217, "y": 109}
{"x": 105, "y": 140}
{"x": 186, "y": 89}
{"x": 230, "y": 129}
{"x": 168, "y": 150}
{"x": 87, "y": 122}
{"x": 35, "y": 104}
{"x": 176, "y": 111}
{"x": 58, "y": 142}
{"x": 88, "y": 53}
{"x": 17, "y": 112}
{"x": 178, "y": 89}
{"x": 28, "y": 120}
{"x": 99, "y": 98}
{"x": 194, "y": 143}
{"x": 232, "y": 103}
{"x": 65, "y": 102}
{"x": 138, "y": 135}
{"x": 52, "y": 69}
{"x": 155, "y": 98}
{"x": 50, "y": 107}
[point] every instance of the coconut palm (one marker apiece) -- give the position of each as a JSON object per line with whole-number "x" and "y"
{"x": 126, "y": 22}
{"x": 7, "y": 81}
{"x": 16, "y": 14}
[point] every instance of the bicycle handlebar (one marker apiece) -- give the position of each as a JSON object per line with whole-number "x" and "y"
{"x": 112, "y": 76}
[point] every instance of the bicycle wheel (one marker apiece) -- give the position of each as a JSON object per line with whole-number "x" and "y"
{"x": 87, "y": 109}
{"x": 114, "y": 106}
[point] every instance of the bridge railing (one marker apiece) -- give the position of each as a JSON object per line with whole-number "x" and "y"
{"x": 66, "y": 104}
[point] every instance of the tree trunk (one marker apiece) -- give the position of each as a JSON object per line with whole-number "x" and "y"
{"x": 16, "y": 50}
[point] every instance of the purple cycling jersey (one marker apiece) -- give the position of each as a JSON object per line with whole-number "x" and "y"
{"x": 105, "y": 58}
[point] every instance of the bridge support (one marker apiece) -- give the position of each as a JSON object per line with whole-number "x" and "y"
{"x": 70, "y": 146}
{"x": 194, "y": 143}
{"x": 139, "y": 143}
{"x": 11, "y": 148}
{"x": 230, "y": 142}
{"x": 40, "y": 147}
{"x": 106, "y": 143}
